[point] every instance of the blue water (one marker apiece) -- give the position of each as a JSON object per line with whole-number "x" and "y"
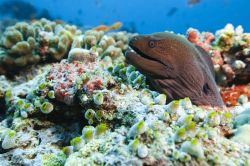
{"x": 147, "y": 16}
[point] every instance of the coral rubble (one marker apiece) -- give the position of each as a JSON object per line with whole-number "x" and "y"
{"x": 92, "y": 108}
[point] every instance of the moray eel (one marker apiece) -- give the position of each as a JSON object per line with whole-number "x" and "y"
{"x": 176, "y": 67}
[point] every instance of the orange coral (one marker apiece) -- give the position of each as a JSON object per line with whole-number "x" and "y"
{"x": 203, "y": 40}
{"x": 231, "y": 95}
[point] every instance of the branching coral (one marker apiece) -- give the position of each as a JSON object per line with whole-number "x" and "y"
{"x": 29, "y": 43}
{"x": 18, "y": 45}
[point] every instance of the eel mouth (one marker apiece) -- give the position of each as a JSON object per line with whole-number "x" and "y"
{"x": 133, "y": 50}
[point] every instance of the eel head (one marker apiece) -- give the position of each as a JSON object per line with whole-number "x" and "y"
{"x": 175, "y": 67}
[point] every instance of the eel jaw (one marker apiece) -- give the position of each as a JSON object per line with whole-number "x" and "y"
{"x": 133, "y": 48}
{"x": 145, "y": 63}
{"x": 136, "y": 52}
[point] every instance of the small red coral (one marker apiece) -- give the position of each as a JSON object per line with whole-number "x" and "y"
{"x": 193, "y": 36}
{"x": 94, "y": 85}
{"x": 64, "y": 77}
{"x": 231, "y": 95}
{"x": 203, "y": 40}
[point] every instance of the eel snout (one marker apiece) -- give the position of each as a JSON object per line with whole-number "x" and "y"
{"x": 133, "y": 41}
{"x": 136, "y": 56}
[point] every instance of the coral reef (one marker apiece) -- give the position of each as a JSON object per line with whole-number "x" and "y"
{"x": 24, "y": 43}
{"x": 44, "y": 40}
{"x": 93, "y": 108}
{"x": 229, "y": 49}
{"x": 236, "y": 94}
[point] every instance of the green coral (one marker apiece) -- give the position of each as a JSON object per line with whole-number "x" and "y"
{"x": 193, "y": 148}
{"x": 137, "y": 129}
{"x": 161, "y": 99}
{"x": 180, "y": 134}
{"x": 98, "y": 98}
{"x": 47, "y": 107}
{"x": 54, "y": 159}
{"x": 90, "y": 115}
{"x": 101, "y": 129}
{"x": 9, "y": 140}
{"x": 88, "y": 133}
{"x": 225, "y": 40}
{"x": 76, "y": 143}
{"x": 213, "y": 119}
{"x": 8, "y": 96}
{"x": 226, "y": 118}
{"x": 174, "y": 106}
{"x": 68, "y": 150}
{"x": 51, "y": 94}
{"x": 133, "y": 145}
{"x": 129, "y": 75}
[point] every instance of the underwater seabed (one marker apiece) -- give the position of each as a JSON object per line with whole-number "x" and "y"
{"x": 68, "y": 97}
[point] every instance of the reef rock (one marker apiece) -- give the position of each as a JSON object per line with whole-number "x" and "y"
{"x": 93, "y": 108}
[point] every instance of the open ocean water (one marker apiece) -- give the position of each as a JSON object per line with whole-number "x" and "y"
{"x": 142, "y": 16}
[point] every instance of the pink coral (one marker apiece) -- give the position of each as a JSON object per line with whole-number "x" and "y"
{"x": 94, "y": 85}
{"x": 67, "y": 78}
{"x": 203, "y": 40}
{"x": 229, "y": 72}
{"x": 64, "y": 77}
{"x": 216, "y": 57}
{"x": 193, "y": 36}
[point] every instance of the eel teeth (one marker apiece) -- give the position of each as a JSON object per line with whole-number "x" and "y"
{"x": 130, "y": 49}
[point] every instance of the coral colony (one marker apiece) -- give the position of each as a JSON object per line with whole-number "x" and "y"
{"x": 69, "y": 97}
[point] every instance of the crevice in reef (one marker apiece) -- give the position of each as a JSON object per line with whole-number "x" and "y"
{"x": 2, "y": 108}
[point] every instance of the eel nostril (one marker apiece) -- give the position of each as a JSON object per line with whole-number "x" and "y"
{"x": 135, "y": 38}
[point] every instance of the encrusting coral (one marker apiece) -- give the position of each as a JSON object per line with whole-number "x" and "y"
{"x": 92, "y": 108}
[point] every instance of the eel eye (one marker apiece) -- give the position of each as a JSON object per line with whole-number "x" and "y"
{"x": 151, "y": 44}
